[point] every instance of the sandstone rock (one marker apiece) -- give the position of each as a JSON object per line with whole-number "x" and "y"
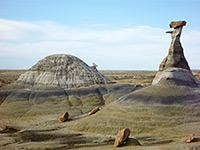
{"x": 6, "y": 129}
{"x": 93, "y": 111}
{"x": 61, "y": 70}
{"x": 3, "y": 129}
{"x": 176, "y": 24}
{"x": 190, "y": 138}
{"x": 63, "y": 117}
{"x": 94, "y": 66}
{"x": 174, "y": 69}
{"x": 122, "y": 136}
{"x": 175, "y": 57}
{"x": 175, "y": 76}
{"x": 132, "y": 142}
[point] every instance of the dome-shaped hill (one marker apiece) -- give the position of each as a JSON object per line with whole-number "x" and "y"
{"x": 66, "y": 71}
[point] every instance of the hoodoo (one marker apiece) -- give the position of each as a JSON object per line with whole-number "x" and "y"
{"x": 174, "y": 69}
{"x": 169, "y": 105}
{"x": 160, "y": 116}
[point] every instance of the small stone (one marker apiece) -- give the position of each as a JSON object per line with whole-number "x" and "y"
{"x": 94, "y": 65}
{"x": 7, "y": 129}
{"x": 63, "y": 117}
{"x": 190, "y": 138}
{"x": 3, "y": 129}
{"x": 93, "y": 111}
{"x": 132, "y": 142}
{"x": 122, "y": 136}
{"x": 175, "y": 24}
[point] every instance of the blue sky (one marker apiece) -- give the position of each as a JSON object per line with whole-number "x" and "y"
{"x": 114, "y": 34}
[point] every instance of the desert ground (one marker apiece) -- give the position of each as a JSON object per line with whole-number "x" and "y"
{"x": 38, "y": 128}
{"x": 118, "y": 76}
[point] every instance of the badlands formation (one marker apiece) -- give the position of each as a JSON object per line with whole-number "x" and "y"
{"x": 160, "y": 116}
{"x": 164, "y": 113}
{"x": 65, "y": 71}
{"x": 60, "y": 81}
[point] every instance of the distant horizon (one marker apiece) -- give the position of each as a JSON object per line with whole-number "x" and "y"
{"x": 114, "y": 34}
{"x": 97, "y": 68}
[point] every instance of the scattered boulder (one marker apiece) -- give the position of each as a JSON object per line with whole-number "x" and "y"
{"x": 7, "y": 129}
{"x": 175, "y": 24}
{"x": 63, "y": 117}
{"x": 3, "y": 128}
{"x": 122, "y": 136}
{"x": 94, "y": 66}
{"x": 96, "y": 109}
{"x": 190, "y": 139}
{"x": 132, "y": 142}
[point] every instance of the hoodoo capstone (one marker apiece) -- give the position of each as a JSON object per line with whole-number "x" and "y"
{"x": 61, "y": 70}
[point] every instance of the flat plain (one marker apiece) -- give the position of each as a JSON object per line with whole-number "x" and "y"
{"x": 142, "y": 77}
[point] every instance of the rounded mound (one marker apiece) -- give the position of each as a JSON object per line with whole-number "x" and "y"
{"x": 66, "y": 71}
{"x": 152, "y": 110}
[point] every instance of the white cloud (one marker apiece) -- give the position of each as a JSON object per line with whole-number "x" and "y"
{"x": 13, "y": 30}
{"x": 46, "y": 30}
{"x": 140, "y": 47}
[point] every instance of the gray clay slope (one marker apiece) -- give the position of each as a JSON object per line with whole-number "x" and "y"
{"x": 63, "y": 79}
{"x": 66, "y": 71}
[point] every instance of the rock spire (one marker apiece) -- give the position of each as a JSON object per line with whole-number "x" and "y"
{"x": 175, "y": 57}
{"x": 174, "y": 69}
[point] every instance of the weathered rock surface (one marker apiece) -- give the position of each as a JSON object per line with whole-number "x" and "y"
{"x": 175, "y": 76}
{"x": 53, "y": 99}
{"x": 7, "y": 129}
{"x": 56, "y": 78}
{"x": 96, "y": 95}
{"x": 3, "y": 128}
{"x": 122, "y": 136}
{"x": 175, "y": 57}
{"x": 174, "y": 69}
{"x": 63, "y": 117}
{"x": 61, "y": 70}
{"x": 172, "y": 101}
{"x": 175, "y": 24}
{"x": 96, "y": 109}
{"x": 190, "y": 139}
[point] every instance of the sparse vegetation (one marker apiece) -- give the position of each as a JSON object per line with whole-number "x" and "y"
{"x": 9, "y": 76}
